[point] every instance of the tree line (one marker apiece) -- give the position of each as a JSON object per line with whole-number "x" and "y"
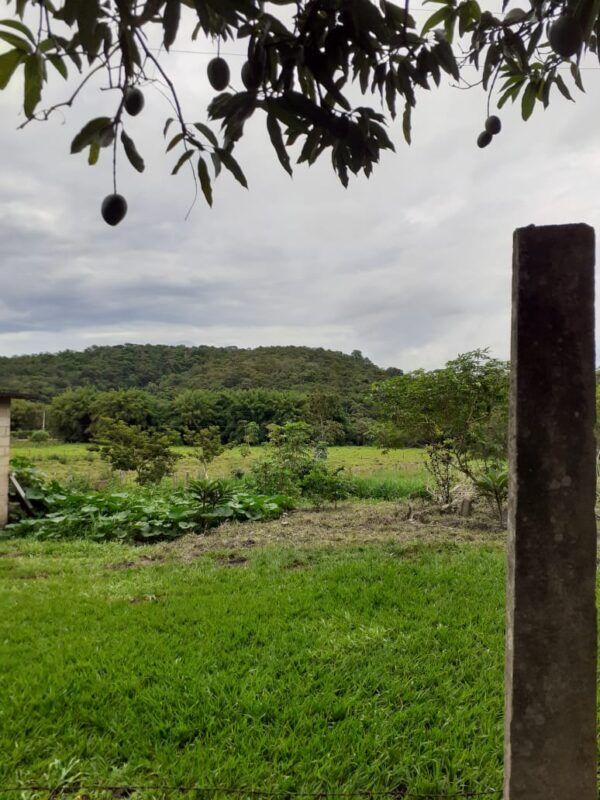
{"x": 465, "y": 403}
{"x": 240, "y": 415}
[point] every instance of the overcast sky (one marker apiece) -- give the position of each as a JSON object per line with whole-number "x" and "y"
{"x": 411, "y": 267}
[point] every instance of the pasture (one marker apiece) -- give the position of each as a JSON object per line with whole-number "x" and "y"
{"x": 370, "y": 464}
{"x": 373, "y": 664}
{"x": 349, "y": 649}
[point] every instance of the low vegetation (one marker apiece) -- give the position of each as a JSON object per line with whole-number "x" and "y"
{"x": 140, "y": 514}
{"x": 284, "y": 668}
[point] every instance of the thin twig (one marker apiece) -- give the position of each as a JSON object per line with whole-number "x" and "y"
{"x": 45, "y": 115}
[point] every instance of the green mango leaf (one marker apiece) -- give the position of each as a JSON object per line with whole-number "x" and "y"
{"x": 204, "y": 129}
{"x": 231, "y": 164}
{"x": 34, "y": 79}
{"x": 445, "y": 55}
{"x": 135, "y": 159}
{"x": 174, "y": 141}
{"x": 87, "y": 20}
{"x": 88, "y": 133}
{"x": 204, "y": 178}
{"x": 8, "y": 64}
{"x": 528, "y": 101}
{"x": 441, "y": 15}
{"x": 168, "y": 125}
{"x": 406, "y": 122}
{"x": 562, "y": 87}
{"x": 185, "y": 157}
{"x": 576, "y": 75}
{"x": 59, "y": 65}
{"x": 277, "y": 142}
{"x": 19, "y": 26}
{"x": 16, "y": 42}
{"x": 171, "y": 19}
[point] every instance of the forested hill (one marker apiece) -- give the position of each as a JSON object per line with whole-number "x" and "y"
{"x": 168, "y": 370}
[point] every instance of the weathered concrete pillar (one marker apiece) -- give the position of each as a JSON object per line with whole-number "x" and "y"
{"x": 4, "y": 456}
{"x": 550, "y": 710}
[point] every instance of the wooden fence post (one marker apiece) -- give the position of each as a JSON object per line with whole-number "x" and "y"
{"x": 550, "y": 708}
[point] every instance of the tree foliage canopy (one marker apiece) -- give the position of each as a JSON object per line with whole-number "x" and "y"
{"x": 303, "y": 57}
{"x": 465, "y": 402}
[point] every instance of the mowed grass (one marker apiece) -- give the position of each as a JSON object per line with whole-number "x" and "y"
{"x": 64, "y": 461}
{"x": 365, "y": 668}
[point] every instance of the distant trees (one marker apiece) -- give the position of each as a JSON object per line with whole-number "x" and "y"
{"x": 71, "y": 415}
{"x": 241, "y": 415}
{"x": 170, "y": 370}
{"x": 27, "y": 415}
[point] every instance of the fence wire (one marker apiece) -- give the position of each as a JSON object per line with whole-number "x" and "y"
{"x": 399, "y": 793}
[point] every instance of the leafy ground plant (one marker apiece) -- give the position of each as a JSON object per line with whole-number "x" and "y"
{"x": 138, "y": 514}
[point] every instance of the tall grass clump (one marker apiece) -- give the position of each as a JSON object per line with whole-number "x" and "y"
{"x": 389, "y": 486}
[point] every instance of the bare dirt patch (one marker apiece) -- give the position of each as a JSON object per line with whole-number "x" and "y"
{"x": 145, "y": 598}
{"x": 349, "y": 524}
{"x": 232, "y": 560}
{"x": 144, "y": 561}
{"x": 38, "y": 576}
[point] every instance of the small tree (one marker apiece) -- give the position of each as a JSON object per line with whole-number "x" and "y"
{"x": 460, "y": 413}
{"x": 207, "y": 445}
{"x": 129, "y": 448}
{"x": 251, "y": 433}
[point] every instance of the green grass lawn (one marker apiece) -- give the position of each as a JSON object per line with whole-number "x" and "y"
{"x": 348, "y": 668}
{"x": 63, "y": 461}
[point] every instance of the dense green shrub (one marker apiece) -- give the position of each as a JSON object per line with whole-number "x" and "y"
{"x": 323, "y": 485}
{"x": 131, "y": 449}
{"x": 39, "y": 436}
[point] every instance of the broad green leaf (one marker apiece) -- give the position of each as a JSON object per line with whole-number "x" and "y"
{"x": 8, "y": 64}
{"x": 88, "y": 133}
{"x": 216, "y": 163}
{"x": 135, "y": 159}
{"x": 562, "y": 87}
{"x": 171, "y": 19}
{"x": 277, "y": 142}
{"x": 34, "y": 79}
{"x": 528, "y": 101}
{"x": 445, "y": 56}
{"x": 174, "y": 141}
{"x": 59, "y": 65}
{"x": 441, "y": 15}
{"x": 204, "y": 129}
{"x": 16, "y": 41}
{"x": 231, "y": 164}
{"x": 19, "y": 26}
{"x": 185, "y": 157}
{"x": 576, "y": 74}
{"x": 204, "y": 178}
{"x": 87, "y": 20}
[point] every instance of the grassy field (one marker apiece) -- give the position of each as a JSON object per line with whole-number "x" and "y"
{"x": 357, "y": 649}
{"x": 63, "y": 461}
{"x": 374, "y": 664}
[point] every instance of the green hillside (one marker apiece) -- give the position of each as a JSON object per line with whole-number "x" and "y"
{"x": 169, "y": 370}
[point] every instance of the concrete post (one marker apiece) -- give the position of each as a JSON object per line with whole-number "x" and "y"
{"x": 550, "y": 708}
{"x": 4, "y": 456}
